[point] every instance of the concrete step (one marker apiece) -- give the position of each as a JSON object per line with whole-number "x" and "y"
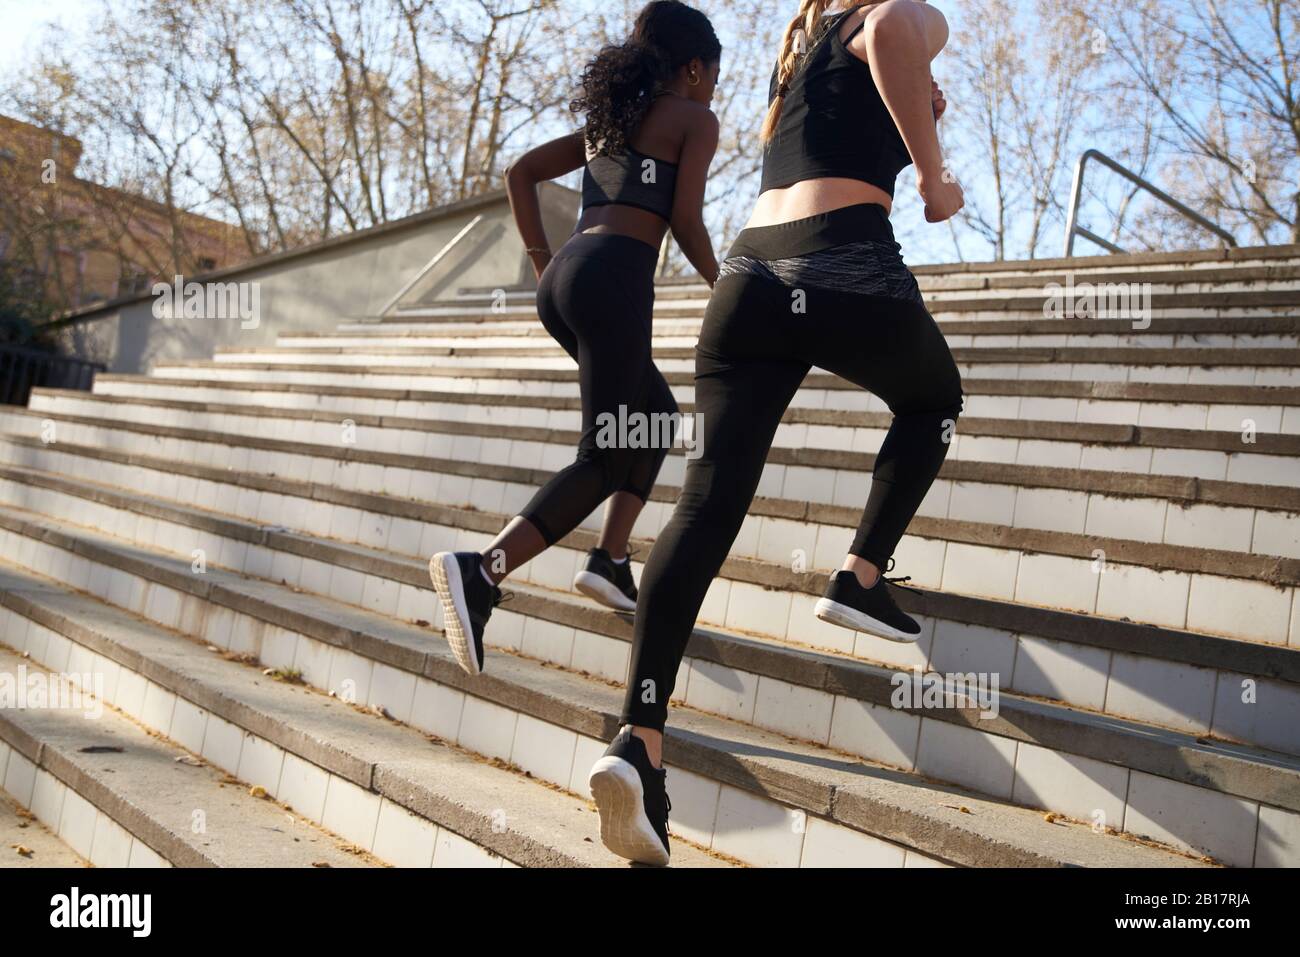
{"x": 1159, "y": 405}
{"x": 833, "y": 796}
{"x": 122, "y": 795}
{"x": 960, "y": 630}
{"x": 1059, "y": 732}
{"x": 1138, "y": 310}
{"x": 26, "y": 843}
{"x": 386, "y": 786}
{"x": 1208, "y": 591}
{"x": 1210, "y": 454}
{"x": 1269, "y": 271}
{"x": 1181, "y": 512}
{"x": 1166, "y": 333}
{"x": 965, "y": 628}
{"x": 1240, "y": 367}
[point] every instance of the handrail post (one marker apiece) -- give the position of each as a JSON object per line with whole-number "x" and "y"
{"x": 1076, "y": 198}
{"x": 1072, "y": 227}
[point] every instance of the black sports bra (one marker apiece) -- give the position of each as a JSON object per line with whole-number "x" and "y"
{"x": 630, "y": 178}
{"x": 833, "y": 121}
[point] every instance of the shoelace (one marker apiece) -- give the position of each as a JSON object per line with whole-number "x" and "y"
{"x": 899, "y": 582}
{"x": 668, "y": 804}
{"x": 502, "y": 597}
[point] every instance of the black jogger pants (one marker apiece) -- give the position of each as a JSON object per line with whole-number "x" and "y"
{"x": 596, "y": 298}
{"x": 759, "y": 339}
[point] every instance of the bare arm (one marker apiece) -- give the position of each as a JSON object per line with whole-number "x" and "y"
{"x": 546, "y": 162}
{"x": 687, "y": 222}
{"x": 902, "y": 37}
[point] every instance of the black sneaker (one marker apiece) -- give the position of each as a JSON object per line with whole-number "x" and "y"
{"x": 607, "y": 581}
{"x": 467, "y": 603}
{"x": 871, "y": 610}
{"x": 632, "y": 799}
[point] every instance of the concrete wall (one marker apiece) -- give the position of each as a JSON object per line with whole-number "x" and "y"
{"x": 315, "y": 291}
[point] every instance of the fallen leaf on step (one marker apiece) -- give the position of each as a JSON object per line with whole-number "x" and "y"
{"x": 257, "y": 791}
{"x": 320, "y": 864}
{"x": 1051, "y": 817}
{"x": 188, "y": 759}
{"x": 22, "y": 851}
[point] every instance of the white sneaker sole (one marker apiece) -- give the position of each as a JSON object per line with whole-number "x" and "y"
{"x": 620, "y": 799}
{"x": 846, "y": 617}
{"x": 444, "y": 572}
{"x": 593, "y": 586}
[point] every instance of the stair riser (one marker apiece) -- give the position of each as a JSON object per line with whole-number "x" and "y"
{"x": 1153, "y": 414}
{"x": 707, "y": 685}
{"x": 1171, "y": 811}
{"x": 704, "y": 811}
{"x": 91, "y": 831}
{"x": 1167, "y": 692}
{"x": 678, "y": 335}
{"x": 803, "y": 483}
{"x": 1030, "y": 371}
{"x": 328, "y": 800}
{"x": 1204, "y": 602}
{"x": 1153, "y": 519}
{"x": 1146, "y": 459}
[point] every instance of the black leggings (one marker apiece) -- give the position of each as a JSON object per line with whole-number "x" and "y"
{"x": 754, "y": 350}
{"x": 596, "y": 298}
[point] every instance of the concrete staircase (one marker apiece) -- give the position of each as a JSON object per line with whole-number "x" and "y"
{"x": 235, "y": 550}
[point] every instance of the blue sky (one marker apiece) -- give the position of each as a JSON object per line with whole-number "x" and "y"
{"x": 26, "y": 20}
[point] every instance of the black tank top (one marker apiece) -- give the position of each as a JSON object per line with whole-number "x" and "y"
{"x": 630, "y": 178}
{"x": 833, "y": 121}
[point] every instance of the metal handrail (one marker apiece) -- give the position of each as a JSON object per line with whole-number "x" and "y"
{"x": 1072, "y": 227}
{"x": 22, "y": 369}
{"x": 438, "y": 257}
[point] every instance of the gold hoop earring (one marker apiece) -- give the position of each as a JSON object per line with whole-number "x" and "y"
{"x": 693, "y": 80}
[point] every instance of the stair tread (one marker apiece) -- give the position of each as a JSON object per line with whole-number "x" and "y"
{"x": 545, "y": 825}
{"x": 145, "y": 789}
{"x": 1199, "y": 648}
{"x": 738, "y": 751}
{"x": 26, "y": 843}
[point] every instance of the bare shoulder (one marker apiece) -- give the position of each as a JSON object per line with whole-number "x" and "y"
{"x": 691, "y": 116}
{"x": 908, "y": 21}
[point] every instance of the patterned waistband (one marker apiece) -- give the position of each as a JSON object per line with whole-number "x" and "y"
{"x": 867, "y": 268}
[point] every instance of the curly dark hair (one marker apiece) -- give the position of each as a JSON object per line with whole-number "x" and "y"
{"x": 619, "y": 84}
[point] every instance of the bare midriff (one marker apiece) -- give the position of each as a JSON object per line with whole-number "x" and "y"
{"x": 812, "y": 197}
{"x": 624, "y": 221}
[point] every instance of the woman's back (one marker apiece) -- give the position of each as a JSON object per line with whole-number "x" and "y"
{"x": 833, "y": 121}
{"x": 862, "y": 107}
{"x": 635, "y": 190}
